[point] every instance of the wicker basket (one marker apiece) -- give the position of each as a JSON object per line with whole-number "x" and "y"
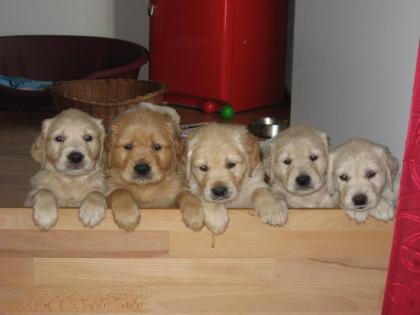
{"x": 106, "y": 98}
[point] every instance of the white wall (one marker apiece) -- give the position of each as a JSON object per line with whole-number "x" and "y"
{"x": 353, "y": 67}
{"x": 75, "y": 17}
{"x": 124, "y": 19}
{"x": 131, "y": 22}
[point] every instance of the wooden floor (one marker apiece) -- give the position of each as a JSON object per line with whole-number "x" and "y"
{"x": 319, "y": 263}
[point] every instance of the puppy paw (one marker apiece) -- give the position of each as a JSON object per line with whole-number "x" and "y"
{"x": 274, "y": 217}
{"x": 128, "y": 218}
{"x": 273, "y": 214}
{"x": 193, "y": 216}
{"x": 359, "y": 216}
{"x": 216, "y": 218}
{"x": 45, "y": 216}
{"x": 270, "y": 210}
{"x": 45, "y": 212}
{"x": 92, "y": 211}
{"x": 383, "y": 212}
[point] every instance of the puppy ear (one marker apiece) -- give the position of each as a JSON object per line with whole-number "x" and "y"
{"x": 177, "y": 148}
{"x": 38, "y": 149}
{"x": 330, "y": 181}
{"x": 266, "y": 149}
{"x": 391, "y": 165}
{"x": 188, "y": 156}
{"x": 108, "y": 144}
{"x": 180, "y": 148}
{"x": 325, "y": 140}
{"x": 253, "y": 151}
{"x": 169, "y": 111}
{"x": 102, "y": 134}
{"x": 39, "y": 146}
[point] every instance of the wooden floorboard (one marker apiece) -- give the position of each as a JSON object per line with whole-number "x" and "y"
{"x": 319, "y": 263}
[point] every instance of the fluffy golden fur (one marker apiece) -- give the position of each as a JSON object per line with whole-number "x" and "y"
{"x": 223, "y": 168}
{"x": 296, "y": 164}
{"x": 70, "y": 151}
{"x": 144, "y": 167}
{"x": 365, "y": 175}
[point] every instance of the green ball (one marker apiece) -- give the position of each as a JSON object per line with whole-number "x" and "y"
{"x": 227, "y": 112}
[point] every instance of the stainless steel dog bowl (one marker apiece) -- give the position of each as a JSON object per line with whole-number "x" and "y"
{"x": 267, "y": 127}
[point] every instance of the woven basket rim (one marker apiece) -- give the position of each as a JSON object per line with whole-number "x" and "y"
{"x": 163, "y": 89}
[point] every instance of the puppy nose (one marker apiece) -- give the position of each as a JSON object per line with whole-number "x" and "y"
{"x": 303, "y": 180}
{"x": 75, "y": 157}
{"x": 360, "y": 199}
{"x": 142, "y": 168}
{"x": 219, "y": 191}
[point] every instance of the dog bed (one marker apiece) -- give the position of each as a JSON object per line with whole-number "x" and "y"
{"x": 63, "y": 58}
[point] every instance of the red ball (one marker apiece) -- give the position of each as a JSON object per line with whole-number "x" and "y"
{"x": 209, "y": 107}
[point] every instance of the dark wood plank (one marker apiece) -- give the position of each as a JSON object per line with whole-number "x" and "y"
{"x": 83, "y": 244}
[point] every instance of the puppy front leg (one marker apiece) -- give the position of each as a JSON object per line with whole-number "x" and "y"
{"x": 270, "y": 210}
{"x": 384, "y": 211}
{"x": 191, "y": 209}
{"x": 44, "y": 210}
{"x": 124, "y": 209}
{"x": 216, "y": 217}
{"x": 92, "y": 210}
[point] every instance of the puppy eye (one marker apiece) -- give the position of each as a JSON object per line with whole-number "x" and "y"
{"x": 313, "y": 157}
{"x": 230, "y": 165}
{"x": 344, "y": 177}
{"x": 88, "y": 138}
{"x": 287, "y": 161}
{"x": 59, "y": 138}
{"x": 370, "y": 174}
{"x": 156, "y": 147}
{"x": 204, "y": 168}
{"x": 128, "y": 146}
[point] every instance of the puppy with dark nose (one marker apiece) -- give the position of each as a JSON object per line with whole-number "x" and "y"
{"x": 229, "y": 177}
{"x": 144, "y": 164}
{"x": 295, "y": 163}
{"x": 365, "y": 174}
{"x": 70, "y": 151}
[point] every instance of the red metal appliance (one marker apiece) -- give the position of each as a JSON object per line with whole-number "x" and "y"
{"x": 227, "y": 51}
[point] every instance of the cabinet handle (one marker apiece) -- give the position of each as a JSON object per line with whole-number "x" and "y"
{"x": 151, "y": 8}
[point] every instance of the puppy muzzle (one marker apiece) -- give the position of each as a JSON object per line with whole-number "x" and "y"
{"x": 142, "y": 171}
{"x": 220, "y": 193}
{"x": 75, "y": 162}
{"x": 359, "y": 200}
{"x": 303, "y": 182}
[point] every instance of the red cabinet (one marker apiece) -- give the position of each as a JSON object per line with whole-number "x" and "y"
{"x": 228, "y": 51}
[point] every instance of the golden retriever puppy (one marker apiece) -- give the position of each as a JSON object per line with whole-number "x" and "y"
{"x": 144, "y": 164}
{"x": 224, "y": 170}
{"x": 365, "y": 175}
{"x": 296, "y": 164}
{"x": 70, "y": 151}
